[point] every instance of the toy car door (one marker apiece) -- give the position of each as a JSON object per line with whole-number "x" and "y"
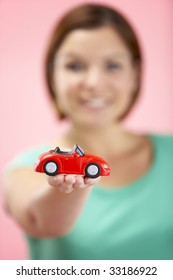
{"x": 73, "y": 164}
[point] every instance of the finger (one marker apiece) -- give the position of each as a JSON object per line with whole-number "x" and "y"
{"x": 69, "y": 179}
{"x": 79, "y": 183}
{"x": 63, "y": 183}
{"x": 91, "y": 181}
{"x": 56, "y": 180}
{"x": 67, "y": 184}
{"x": 66, "y": 188}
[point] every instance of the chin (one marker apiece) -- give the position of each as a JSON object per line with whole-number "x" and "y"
{"x": 93, "y": 123}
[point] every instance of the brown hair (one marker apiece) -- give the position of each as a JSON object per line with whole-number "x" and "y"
{"x": 89, "y": 16}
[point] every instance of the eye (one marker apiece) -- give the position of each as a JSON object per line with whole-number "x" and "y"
{"x": 75, "y": 67}
{"x": 112, "y": 66}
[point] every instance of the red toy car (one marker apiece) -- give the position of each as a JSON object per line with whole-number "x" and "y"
{"x": 73, "y": 162}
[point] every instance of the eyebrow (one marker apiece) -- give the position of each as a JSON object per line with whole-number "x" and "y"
{"x": 77, "y": 55}
{"x": 69, "y": 55}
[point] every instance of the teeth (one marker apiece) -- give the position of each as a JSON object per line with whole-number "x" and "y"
{"x": 96, "y": 103}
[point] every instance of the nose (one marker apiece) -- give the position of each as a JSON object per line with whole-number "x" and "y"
{"x": 94, "y": 79}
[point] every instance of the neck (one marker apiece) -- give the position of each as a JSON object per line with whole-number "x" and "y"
{"x": 107, "y": 142}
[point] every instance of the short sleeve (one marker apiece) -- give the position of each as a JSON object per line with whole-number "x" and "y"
{"x": 25, "y": 159}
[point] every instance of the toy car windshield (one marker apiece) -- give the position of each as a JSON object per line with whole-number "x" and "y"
{"x": 75, "y": 148}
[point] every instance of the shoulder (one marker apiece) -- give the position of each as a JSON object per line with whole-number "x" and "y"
{"x": 27, "y": 157}
{"x": 163, "y": 145}
{"x": 165, "y": 140}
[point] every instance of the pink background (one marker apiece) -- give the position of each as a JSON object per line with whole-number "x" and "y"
{"x": 26, "y": 115}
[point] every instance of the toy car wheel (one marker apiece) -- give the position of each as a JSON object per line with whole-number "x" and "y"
{"x": 92, "y": 170}
{"x": 51, "y": 168}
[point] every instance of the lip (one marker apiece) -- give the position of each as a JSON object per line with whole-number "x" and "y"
{"x": 97, "y": 105}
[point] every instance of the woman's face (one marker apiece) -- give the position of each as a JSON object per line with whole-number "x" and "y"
{"x": 94, "y": 76}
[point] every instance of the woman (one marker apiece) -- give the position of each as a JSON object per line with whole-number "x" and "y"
{"x": 93, "y": 73}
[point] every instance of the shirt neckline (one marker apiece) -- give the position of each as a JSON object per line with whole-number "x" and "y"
{"x": 142, "y": 180}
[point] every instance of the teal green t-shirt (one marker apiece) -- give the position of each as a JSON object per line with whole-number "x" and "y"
{"x": 131, "y": 222}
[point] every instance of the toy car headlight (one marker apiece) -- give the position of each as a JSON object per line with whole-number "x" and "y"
{"x": 37, "y": 162}
{"x": 105, "y": 165}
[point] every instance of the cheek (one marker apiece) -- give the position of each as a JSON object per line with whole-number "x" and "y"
{"x": 60, "y": 83}
{"x": 123, "y": 89}
{"x": 124, "y": 85}
{"x": 66, "y": 83}
{"x": 66, "y": 88}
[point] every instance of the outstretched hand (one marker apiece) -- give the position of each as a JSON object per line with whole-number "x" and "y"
{"x": 68, "y": 183}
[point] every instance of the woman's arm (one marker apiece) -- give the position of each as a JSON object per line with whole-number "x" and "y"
{"x": 46, "y": 206}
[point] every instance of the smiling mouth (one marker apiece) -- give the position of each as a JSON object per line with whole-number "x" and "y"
{"x": 95, "y": 103}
